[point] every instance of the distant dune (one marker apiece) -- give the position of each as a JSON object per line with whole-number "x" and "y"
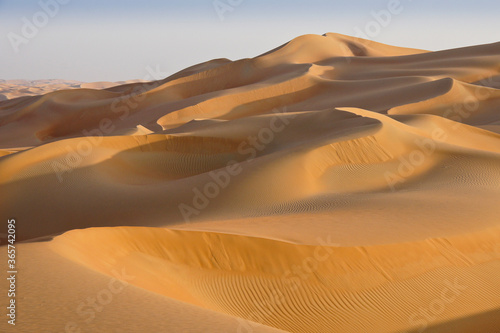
{"x": 333, "y": 184}
{"x": 10, "y": 89}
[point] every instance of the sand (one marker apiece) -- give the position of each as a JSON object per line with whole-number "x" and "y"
{"x": 10, "y": 89}
{"x": 333, "y": 184}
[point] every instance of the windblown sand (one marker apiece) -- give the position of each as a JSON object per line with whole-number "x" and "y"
{"x": 333, "y": 184}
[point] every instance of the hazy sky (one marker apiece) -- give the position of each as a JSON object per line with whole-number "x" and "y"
{"x": 112, "y": 40}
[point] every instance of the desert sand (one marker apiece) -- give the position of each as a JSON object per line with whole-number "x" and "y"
{"x": 333, "y": 184}
{"x": 10, "y": 89}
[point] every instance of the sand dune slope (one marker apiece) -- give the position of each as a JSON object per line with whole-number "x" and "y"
{"x": 332, "y": 184}
{"x": 67, "y": 297}
{"x": 304, "y": 288}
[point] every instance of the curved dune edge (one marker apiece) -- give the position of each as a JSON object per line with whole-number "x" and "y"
{"x": 311, "y": 70}
{"x": 349, "y": 154}
{"x": 58, "y": 295}
{"x": 302, "y": 288}
{"x": 333, "y": 184}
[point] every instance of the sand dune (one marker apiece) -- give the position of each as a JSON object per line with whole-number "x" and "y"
{"x": 332, "y": 184}
{"x": 130, "y": 309}
{"x": 300, "y": 288}
{"x": 10, "y": 89}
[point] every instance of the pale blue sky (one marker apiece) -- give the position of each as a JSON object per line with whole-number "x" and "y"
{"x": 111, "y": 40}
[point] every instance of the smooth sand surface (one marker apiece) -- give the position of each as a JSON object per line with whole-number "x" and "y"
{"x": 332, "y": 184}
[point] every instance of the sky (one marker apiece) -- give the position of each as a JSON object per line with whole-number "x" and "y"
{"x": 115, "y": 40}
